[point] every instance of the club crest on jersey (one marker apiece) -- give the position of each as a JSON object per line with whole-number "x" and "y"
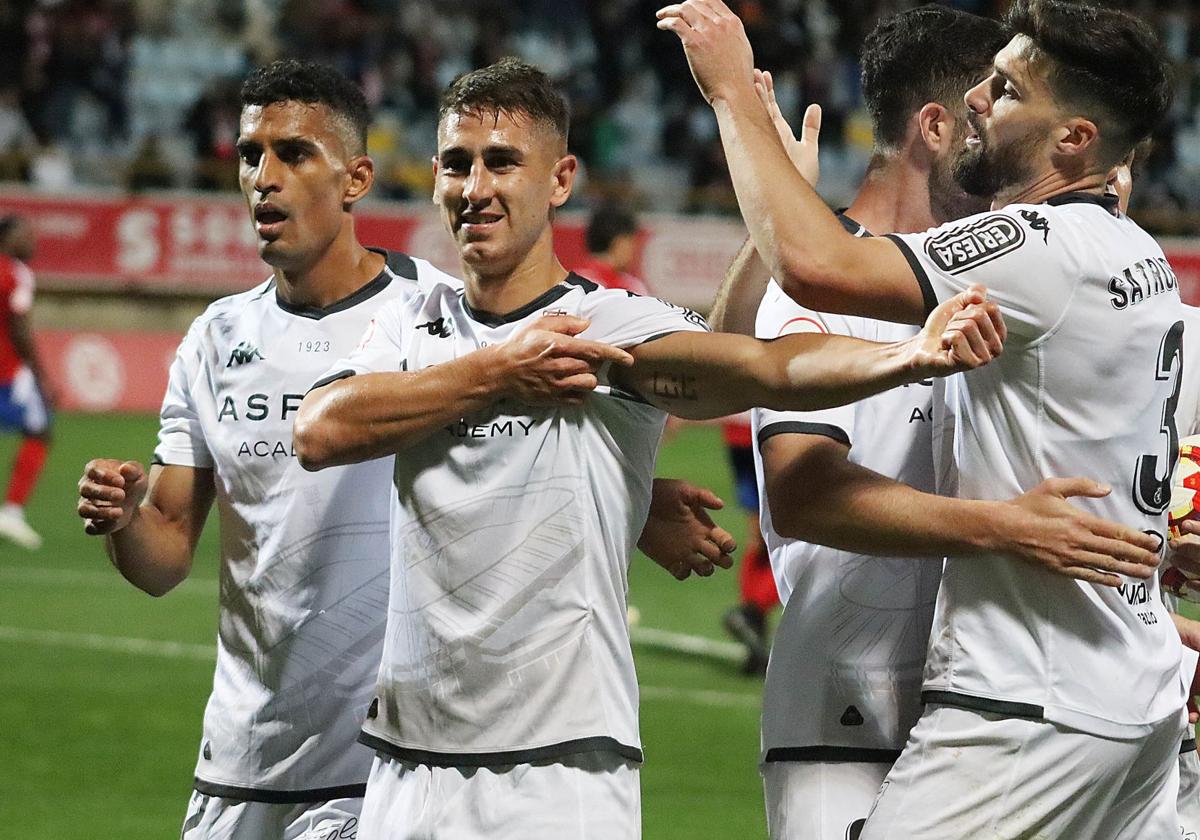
{"x": 243, "y": 354}
{"x": 972, "y": 245}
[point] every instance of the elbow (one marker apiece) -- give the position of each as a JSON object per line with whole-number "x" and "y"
{"x": 310, "y": 440}
{"x": 806, "y": 277}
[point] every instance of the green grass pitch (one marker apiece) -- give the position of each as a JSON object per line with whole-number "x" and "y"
{"x": 104, "y": 687}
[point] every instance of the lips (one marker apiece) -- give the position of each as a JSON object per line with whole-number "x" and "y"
{"x": 268, "y": 219}
{"x": 476, "y": 223}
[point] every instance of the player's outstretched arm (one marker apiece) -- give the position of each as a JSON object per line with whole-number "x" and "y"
{"x": 372, "y": 415}
{"x": 704, "y": 375}
{"x": 680, "y": 536}
{"x": 815, "y": 260}
{"x": 151, "y": 523}
{"x": 817, "y": 495}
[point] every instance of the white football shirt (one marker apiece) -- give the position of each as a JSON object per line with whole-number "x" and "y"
{"x": 512, "y": 528}
{"x": 303, "y": 556}
{"x": 1087, "y": 385}
{"x": 844, "y": 678}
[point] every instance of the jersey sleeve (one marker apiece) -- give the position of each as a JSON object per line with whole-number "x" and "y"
{"x": 181, "y": 439}
{"x": 626, "y": 319}
{"x": 379, "y": 351}
{"x": 779, "y": 315}
{"x": 1014, "y": 253}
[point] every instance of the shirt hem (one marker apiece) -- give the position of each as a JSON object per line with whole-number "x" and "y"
{"x": 500, "y": 758}
{"x": 1085, "y": 722}
{"x": 831, "y": 755}
{"x": 279, "y": 797}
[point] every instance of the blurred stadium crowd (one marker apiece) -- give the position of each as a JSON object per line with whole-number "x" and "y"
{"x": 141, "y": 94}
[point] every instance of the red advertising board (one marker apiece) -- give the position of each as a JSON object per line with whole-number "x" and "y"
{"x": 107, "y": 371}
{"x": 205, "y": 244}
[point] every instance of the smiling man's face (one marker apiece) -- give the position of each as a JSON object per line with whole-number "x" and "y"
{"x": 498, "y": 178}
{"x": 294, "y": 171}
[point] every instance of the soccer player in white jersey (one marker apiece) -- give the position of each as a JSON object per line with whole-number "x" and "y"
{"x": 303, "y": 569}
{"x": 1053, "y": 706}
{"x": 839, "y": 704}
{"x": 507, "y": 699}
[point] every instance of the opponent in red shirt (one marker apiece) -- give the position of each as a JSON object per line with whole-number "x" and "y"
{"x": 611, "y": 239}
{"x": 23, "y": 403}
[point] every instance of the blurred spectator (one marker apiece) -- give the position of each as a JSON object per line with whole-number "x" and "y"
{"x": 212, "y": 126}
{"x": 18, "y": 143}
{"x": 90, "y": 71}
{"x": 611, "y": 239}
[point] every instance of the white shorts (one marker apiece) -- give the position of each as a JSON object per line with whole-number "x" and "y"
{"x": 1189, "y": 790}
{"x": 975, "y": 775}
{"x": 592, "y": 796}
{"x": 216, "y": 818}
{"x": 815, "y": 800}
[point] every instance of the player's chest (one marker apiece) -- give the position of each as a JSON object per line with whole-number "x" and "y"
{"x": 257, "y": 377}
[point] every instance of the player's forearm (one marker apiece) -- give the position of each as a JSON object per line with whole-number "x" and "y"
{"x": 150, "y": 552}
{"x": 23, "y": 343}
{"x": 830, "y": 501}
{"x": 700, "y": 376}
{"x": 735, "y": 308}
{"x": 785, "y": 216}
{"x": 378, "y": 414}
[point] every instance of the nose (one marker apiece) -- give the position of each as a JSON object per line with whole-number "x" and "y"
{"x": 479, "y": 187}
{"x": 978, "y": 98}
{"x": 266, "y": 174}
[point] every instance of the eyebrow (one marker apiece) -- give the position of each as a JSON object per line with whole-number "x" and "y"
{"x": 282, "y": 142}
{"x": 491, "y": 149}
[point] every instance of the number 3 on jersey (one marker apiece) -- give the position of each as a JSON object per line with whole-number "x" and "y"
{"x": 1152, "y": 489}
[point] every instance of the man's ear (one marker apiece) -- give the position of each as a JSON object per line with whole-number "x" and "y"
{"x": 434, "y": 197}
{"x": 564, "y": 179}
{"x": 936, "y": 127}
{"x": 1076, "y": 136}
{"x": 361, "y": 170}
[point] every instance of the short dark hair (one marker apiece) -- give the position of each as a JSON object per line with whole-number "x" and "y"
{"x": 1105, "y": 62}
{"x": 511, "y": 87}
{"x": 292, "y": 80}
{"x": 927, "y": 54}
{"x": 607, "y": 223}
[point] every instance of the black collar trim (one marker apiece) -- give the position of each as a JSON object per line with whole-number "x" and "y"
{"x": 1108, "y": 201}
{"x": 544, "y": 299}
{"x": 392, "y": 262}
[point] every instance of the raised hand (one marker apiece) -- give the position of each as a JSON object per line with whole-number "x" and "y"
{"x": 715, "y": 44}
{"x": 680, "y": 536}
{"x": 109, "y": 493}
{"x": 546, "y": 364}
{"x": 802, "y": 152}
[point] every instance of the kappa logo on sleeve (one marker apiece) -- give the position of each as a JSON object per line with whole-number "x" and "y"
{"x": 973, "y": 245}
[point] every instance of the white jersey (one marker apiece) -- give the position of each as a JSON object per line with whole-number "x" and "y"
{"x": 507, "y": 640}
{"x": 1087, "y": 386}
{"x": 303, "y": 567}
{"x": 844, "y": 679}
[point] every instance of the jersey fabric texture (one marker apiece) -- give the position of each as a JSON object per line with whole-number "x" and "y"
{"x": 1087, "y": 385}
{"x": 303, "y": 566}
{"x": 16, "y": 298}
{"x": 844, "y": 678}
{"x": 507, "y": 639}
